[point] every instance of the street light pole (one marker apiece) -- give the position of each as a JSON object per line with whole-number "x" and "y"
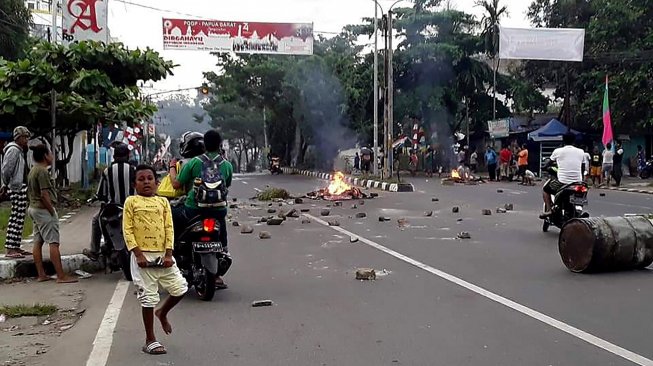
{"x": 376, "y": 90}
{"x": 390, "y": 97}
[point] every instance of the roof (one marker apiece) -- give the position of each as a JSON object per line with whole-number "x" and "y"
{"x": 552, "y": 131}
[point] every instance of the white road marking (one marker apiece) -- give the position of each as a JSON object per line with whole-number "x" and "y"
{"x": 104, "y": 337}
{"x": 573, "y": 331}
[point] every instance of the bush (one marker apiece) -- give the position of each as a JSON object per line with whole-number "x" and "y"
{"x": 273, "y": 193}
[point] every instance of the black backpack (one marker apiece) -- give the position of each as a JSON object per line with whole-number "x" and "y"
{"x": 210, "y": 188}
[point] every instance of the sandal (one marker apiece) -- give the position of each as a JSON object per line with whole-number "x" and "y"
{"x": 24, "y": 252}
{"x": 151, "y": 349}
{"x": 16, "y": 255}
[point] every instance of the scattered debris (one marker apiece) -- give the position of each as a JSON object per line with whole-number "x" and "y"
{"x": 361, "y": 215}
{"x": 293, "y": 213}
{"x": 365, "y": 274}
{"x": 499, "y": 190}
{"x": 501, "y": 210}
{"x": 261, "y": 303}
{"x": 460, "y": 220}
{"x": 263, "y": 219}
{"x": 305, "y": 210}
{"x": 383, "y": 219}
{"x": 235, "y": 223}
{"x": 435, "y": 199}
{"x": 602, "y": 194}
{"x": 486, "y": 212}
{"x": 509, "y": 206}
{"x": 455, "y": 209}
{"x": 428, "y": 213}
{"x": 273, "y": 193}
{"x": 464, "y": 235}
{"x": 3, "y": 318}
{"x": 338, "y": 204}
{"x": 374, "y": 195}
{"x": 66, "y": 327}
{"x": 361, "y": 202}
{"x": 353, "y": 239}
{"x": 272, "y": 210}
{"x": 306, "y": 221}
{"x": 83, "y": 274}
{"x": 334, "y": 223}
{"x": 275, "y": 221}
{"x": 264, "y": 235}
{"x": 246, "y": 229}
{"x": 325, "y": 212}
{"x": 233, "y": 206}
{"x": 402, "y": 222}
{"x": 447, "y": 182}
{"x": 235, "y": 199}
{"x": 299, "y": 201}
{"x": 354, "y": 206}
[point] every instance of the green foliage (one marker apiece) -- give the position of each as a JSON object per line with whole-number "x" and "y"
{"x": 16, "y": 311}
{"x": 15, "y": 20}
{"x": 618, "y": 43}
{"x": 272, "y": 194}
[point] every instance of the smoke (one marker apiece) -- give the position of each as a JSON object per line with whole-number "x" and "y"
{"x": 323, "y": 111}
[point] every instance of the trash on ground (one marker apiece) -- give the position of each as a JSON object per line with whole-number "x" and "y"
{"x": 509, "y": 207}
{"x": 325, "y": 212}
{"x": 275, "y": 221}
{"x": 353, "y": 239}
{"x": 464, "y": 235}
{"x": 246, "y": 229}
{"x": 334, "y": 223}
{"x": 486, "y": 212}
{"x": 272, "y": 210}
{"x": 435, "y": 199}
{"x": 499, "y": 190}
{"x": 365, "y": 274}
{"x": 270, "y": 194}
{"x": 428, "y": 213}
{"x": 602, "y": 194}
{"x": 374, "y": 195}
{"x": 261, "y": 303}
{"x": 383, "y": 219}
{"x": 354, "y": 206}
{"x": 299, "y": 201}
{"x": 338, "y": 204}
{"x": 264, "y": 235}
{"x": 501, "y": 210}
{"x": 402, "y": 222}
{"x": 306, "y": 221}
{"x": 235, "y": 223}
{"x": 83, "y": 274}
{"x": 305, "y": 210}
{"x": 455, "y": 209}
{"x": 361, "y": 215}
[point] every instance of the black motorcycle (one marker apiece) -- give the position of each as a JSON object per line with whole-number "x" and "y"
{"x": 201, "y": 256}
{"x": 113, "y": 253}
{"x": 275, "y": 166}
{"x": 647, "y": 170}
{"x": 568, "y": 204}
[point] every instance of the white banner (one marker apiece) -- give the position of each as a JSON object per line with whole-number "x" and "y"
{"x": 85, "y": 20}
{"x": 556, "y": 44}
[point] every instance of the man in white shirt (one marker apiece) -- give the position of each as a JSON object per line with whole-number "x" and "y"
{"x": 570, "y": 160}
{"x": 608, "y": 158}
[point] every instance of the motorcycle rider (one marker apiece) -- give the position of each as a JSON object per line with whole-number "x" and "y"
{"x": 185, "y": 178}
{"x": 115, "y": 186}
{"x": 569, "y": 160}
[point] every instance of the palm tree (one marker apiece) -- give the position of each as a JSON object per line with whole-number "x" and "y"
{"x": 15, "y": 20}
{"x": 490, "y": 34}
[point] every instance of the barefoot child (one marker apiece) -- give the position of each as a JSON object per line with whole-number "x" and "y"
{"x": 147, "y": 227}
{"x": 42, "y": 198}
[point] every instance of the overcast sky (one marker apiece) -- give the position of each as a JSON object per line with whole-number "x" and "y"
{"x": 137, "y": 26}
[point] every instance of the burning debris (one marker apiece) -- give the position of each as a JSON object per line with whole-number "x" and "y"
{"x": 338, "y": 190}
{"x": 462, "y": 175}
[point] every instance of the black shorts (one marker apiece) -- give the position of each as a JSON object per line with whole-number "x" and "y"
{"x": 553, "y": 186}
{"x": 522, "y": 170}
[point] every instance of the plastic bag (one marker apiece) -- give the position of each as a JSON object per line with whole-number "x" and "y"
{"x": 167, "y": 190}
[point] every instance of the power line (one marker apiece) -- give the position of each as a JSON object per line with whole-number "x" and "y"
{"x": 191, "y": 15}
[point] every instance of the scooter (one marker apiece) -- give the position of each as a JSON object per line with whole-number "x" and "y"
{"x": 568, "y": 203}
{"x": 113, "y": 254}
{"x": 275, "y": 166}
{"x": 200, "y": 255}
{"x": 647, "y": 170}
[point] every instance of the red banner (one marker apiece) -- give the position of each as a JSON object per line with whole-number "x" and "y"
{"x": 240, "y": 37}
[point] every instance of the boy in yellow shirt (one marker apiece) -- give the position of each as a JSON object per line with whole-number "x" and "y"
{"x": 147, "y": 227}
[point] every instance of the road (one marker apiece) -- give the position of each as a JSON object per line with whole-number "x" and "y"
{"x": 501, "y": 298}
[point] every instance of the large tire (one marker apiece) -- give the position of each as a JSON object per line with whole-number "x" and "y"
{"x": 205, "y": 285}
{"x": 125, "y": 264}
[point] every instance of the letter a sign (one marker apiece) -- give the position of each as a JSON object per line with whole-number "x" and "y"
{"x": 85, "y": 20}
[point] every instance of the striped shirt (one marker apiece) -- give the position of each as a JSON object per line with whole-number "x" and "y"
{"x": 116, "y": 183}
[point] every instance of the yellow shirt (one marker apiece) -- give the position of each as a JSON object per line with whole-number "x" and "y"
{"x": 147, "y": 224}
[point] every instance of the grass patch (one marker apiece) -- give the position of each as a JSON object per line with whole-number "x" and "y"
{"x": 4, "y": 218}
{"x": 273, "y": 193}
{"x": 16, "y": 311}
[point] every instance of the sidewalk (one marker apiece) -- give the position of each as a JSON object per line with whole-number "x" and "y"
{"x": 633, "y": 185}
{"x": 75, "y": 236}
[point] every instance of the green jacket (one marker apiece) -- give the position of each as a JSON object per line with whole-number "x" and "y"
{"x": 193, "y": 169}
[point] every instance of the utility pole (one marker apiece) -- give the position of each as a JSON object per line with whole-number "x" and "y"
{"x": 386, "y": 164}
{"x": 390, "y": 95}
{"x": 376, "y": 91}
{"x": 53, "y": 93}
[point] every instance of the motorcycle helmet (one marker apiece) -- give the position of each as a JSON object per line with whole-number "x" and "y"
{"x": 191, "y": 145}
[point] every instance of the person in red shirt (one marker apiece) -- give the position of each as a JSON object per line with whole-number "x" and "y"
{"x": 505, "y": 156}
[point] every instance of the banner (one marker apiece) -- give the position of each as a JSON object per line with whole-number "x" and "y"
{"x": 499, "y": 128}
{"x": 239, "y": 37}
{"x": 85, "y": 20}
{"x": 556, "y": 44}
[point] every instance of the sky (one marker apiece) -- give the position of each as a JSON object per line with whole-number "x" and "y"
{"x": 140, "y": 26}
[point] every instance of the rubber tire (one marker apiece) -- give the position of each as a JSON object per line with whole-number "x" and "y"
{"x": 545, "y": 226}
{"x": 125, "y": 264}
{"x": 209, "y": 280}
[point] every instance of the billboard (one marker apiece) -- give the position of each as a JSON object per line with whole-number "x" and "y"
{"x": 84, "y": 20}
{"x": 239, "y": 37}
{"x": 556, "y": 44}
{"x": 499, "y": 128}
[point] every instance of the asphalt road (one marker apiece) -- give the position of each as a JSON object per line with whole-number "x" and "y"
{"x": 500, "y": 298}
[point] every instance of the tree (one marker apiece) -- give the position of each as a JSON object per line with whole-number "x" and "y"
{"x": 15, "y": 20}
{"x": 93, "y": 82}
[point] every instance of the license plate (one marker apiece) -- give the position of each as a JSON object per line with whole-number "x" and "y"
{"x": 578, "y": 200}
{"x": 211, "y": 246}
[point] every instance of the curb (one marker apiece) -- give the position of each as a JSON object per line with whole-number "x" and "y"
{"x": 630, "y": 190}
{"x": 25, "y": 267}
{"x": 365, "y": 183}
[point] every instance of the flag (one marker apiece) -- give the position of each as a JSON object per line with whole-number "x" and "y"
{"x": 607, "y": 121}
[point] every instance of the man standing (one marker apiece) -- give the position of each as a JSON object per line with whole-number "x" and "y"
{"x": 357, "y": 162}
{"x": 505, "y": 155}
{"x": 595, "y": 167}
{"x": 617, "y": 167}
{"x": 14, "y": 177}
{"x": 115, "y": 186}
{"x": 473, "y": 160}
{"x": 491, "y": 161}
{"x": 608, "y": 160}
{"x": 522, "y": 163}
